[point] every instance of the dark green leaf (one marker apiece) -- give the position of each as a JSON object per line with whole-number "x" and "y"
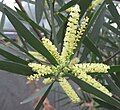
{"x": 43, "y": 97}
{"x": 61, "y": 33}
{"x": 31, "y": 22}
{"x": 53, "y": 29}
{"x": 104, "y": 105}
{"x": 113, "y": 11}
{"x": 2, "y": 6}
{"x": 68, "y": 5}
{"x": 58, "y": 19}
{"x": 90, "y": 89}
{"x": 12, "y": 57}
{"x": 2, "y": 22}
{"x": 84, "y": 54}
{"x": 112, "y": 85}
{"x": 116, "y": 78}
{"x": 47, "y": 17}
{"x": 29, "y": 37}
{"x": 113, "y": 29}
{"x": 115, "y": 68}
{"x": 98, "y": 23}
{"x": 20, "y": 48}
{"x": 39, "y": 7}
{"x": 63, "y": 18}
{"x": 105, "y": 39}
{"x": 40, "y": 93}
{"x": 90, "y": 45}
{"x": 84, "y": 4}
{"x": 15, "y": 68}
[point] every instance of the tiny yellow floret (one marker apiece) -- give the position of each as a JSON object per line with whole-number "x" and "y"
{"x": 48, "y": 80}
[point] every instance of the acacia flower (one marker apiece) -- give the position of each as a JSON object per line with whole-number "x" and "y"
{"x": 41, "y": 70}
{"x": 68, "y": 90}
{"x": 51, "y": 48}
{"x": 81, "y": 70}
{"x": 52, "y": 73}
{"x": 70, "y": 35}
{"x": 48, "y": 80}
{"x": 91, "y": 67}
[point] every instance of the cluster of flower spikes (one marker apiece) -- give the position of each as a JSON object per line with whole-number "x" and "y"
{"x": 72, "y": 36}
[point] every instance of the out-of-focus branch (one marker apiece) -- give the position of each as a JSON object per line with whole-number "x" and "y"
{"x": 108, "y": 59}
{"x": 22, "y": 8}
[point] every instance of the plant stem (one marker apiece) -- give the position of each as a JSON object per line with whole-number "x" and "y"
{"x": 108, "y": 59}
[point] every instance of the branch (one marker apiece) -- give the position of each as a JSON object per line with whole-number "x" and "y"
{"x": 22, "y": 8}
{"x": 108, "y": 59}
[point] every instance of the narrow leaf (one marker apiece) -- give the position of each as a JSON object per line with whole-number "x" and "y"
{"x": 20, "y": 48}
{"x": 115, "y": 68}
{"x": 113, "y": 11}
{"x": 41, "y": 92}
{"x": 90, "y": 45}
{"x": 90, "y": 89}
{"x": 15, "y": 68}
{"x": 2, "y": 6}
{"x": 113, "y": 29}
{"x": 39, "y": 6}
{"x": 12, "y": 57}
{"x": 29, "y": 37}
{"x": 43, "y": 97}
{"x": 113, "y": 86}
{"x": 105, "y": 39}
{"x": 68, "y": 5}
{"x": 2, "y": 22}
{"x": 31, "y": 22}
{"x": 104, "y": 105}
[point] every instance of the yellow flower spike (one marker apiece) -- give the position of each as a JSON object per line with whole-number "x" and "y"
{"x": 41, "y": 70}
{"x": 94, "y": 83}
{"x": 95, "y": 3}
{"x": 93, "y": 67}
{"x": 73, "y": 36}
{"x": 68, "y": 90}
{"x": 51, "y": 48}
{"x": 82, "y": 28}
{"x": 80, "y": 71}
{"x": 70, "y": 36}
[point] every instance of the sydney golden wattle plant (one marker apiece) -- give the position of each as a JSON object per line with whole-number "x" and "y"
{"x": 51, "y": 73}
